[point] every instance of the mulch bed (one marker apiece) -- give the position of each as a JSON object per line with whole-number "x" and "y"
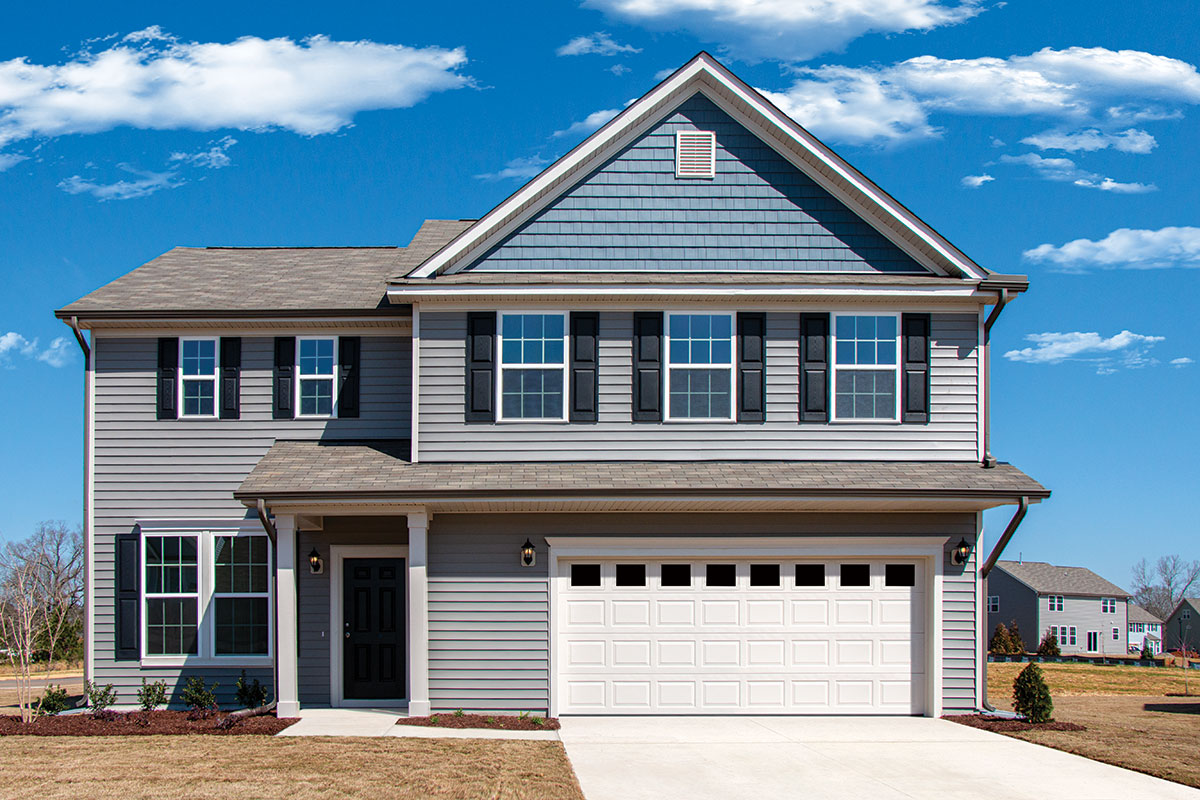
{"x": 1002, "y": 725}
{"x": 136, "y": 723}
{"x": 504, "y": 722}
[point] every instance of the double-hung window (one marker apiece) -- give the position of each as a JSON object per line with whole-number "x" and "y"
{"x": 700, "y": 367}
{"x": 866, "y": 367}
{"x": 993, "y": 603}
{"x": 172, "y": 592}
{"x": 1108, "y": 605}
{"x": 198, "y": 377}
{"x": 241, "y": 595}
{"x": 316, "y": 384}
{"x": 1054, "y": 602}
{"x": 533, "y": 367}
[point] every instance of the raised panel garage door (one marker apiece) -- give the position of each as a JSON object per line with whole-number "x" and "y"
{"x": 736, "y": 636}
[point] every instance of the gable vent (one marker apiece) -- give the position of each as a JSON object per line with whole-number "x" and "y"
{"x": 695, "y": 154}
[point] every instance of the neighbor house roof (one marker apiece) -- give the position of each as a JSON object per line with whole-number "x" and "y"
{"x": 212, "y": 281}
{"x": 381, "y": 469}
{"x": 1046, "y": 578}
{"x": 1194, "y": 602}
{"x": 1139, "y": 614}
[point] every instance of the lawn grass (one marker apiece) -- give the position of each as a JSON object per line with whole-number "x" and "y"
{"x": 1094, "y": 679}
{"x": 179, "y": 767}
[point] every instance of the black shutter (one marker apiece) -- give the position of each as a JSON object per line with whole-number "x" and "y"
{"x": 585, "y": 338}
{"x": 283, "y": 395}
{"x": 814, "y": 367}
{"x": 481, "y": 367}
{"x": 647, "y": 366}
{"x": 168, "y": 377}
{"x": 231, "y": 377}
{"x": 349, "y": 348}
{"x": 915, "y": 328}
{"x": 752, "y": 361}
{"x": 127, "y": 604}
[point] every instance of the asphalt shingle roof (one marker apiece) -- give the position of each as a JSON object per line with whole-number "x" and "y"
{"x": 1046, "y": 578}
{"x": 311, "y": 468}
{"x": 1139, "y": 614}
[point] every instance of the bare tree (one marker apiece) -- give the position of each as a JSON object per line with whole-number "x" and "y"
{"x": 1159, "y": 589}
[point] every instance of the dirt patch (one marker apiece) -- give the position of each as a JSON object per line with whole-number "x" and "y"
{"x": 1002, "y": 725}
{"x": 134, "y": 723}
{"x": 504, "y": 722}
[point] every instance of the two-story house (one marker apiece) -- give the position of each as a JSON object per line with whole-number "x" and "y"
{"x": 1145, "y": 630}
{"x": 1087, "y": 614}
{"x": 694, "y": 422}
{"x": 1182, "y": 628}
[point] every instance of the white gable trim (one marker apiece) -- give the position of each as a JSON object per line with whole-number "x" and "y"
{"x": 801, "y": 148}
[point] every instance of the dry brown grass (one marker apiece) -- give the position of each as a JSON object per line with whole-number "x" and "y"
{"x": 1093, "y": 679}
{"x": 8, "y": 693}
{"x": 191, "y": 767}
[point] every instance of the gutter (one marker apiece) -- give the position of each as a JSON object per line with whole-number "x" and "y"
{"x": 83, "y": 345}
{"x": 1002, "y": 298}
{"x": 985, "y": 570}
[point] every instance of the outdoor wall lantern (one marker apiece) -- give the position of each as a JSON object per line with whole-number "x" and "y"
{"x": 315, "y": 564}
{"x": 528, "y": 554}
{"x": 960, "y": 553}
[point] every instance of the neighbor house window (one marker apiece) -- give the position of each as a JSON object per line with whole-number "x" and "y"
{"x": 700, "y": 366}
{"x": 1108, "y": 605}
{"x": 241, "y": 595}
{"x": 316, "y": 385}
{"x": 172, "y": 595}
{"x": 1138, "y": 627}
{"x": 1116, "y": 634}
{"x": 993, "y": 603}
{"x": 1055, "y": 602}
{"x": 198, "y": 377}
{"x": 1064, "y": 634}
{"x": 533, "y": 371}
{"x": 866, "y": 367}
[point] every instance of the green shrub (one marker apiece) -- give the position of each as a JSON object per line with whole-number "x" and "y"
{"x": 1147, "y": 652}
{"x": 1001, "y": 643}
{"x": 1049, "y": 646}
{"x": 198, "y": 697}
{"x": 252, "y": 694}
{"x": 1031, "y": 695}
{"x": 100, "y": 699}
{"x": 1015, "y": 642}
{"x": 53, "y": 701}
{"x": 152, "y": 695}
{"x": 459, "y": 713}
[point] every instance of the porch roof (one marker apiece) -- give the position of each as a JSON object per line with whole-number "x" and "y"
{"x": 375, "y": 471}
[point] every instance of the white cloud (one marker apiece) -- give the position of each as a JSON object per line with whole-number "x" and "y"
{"x": 214, "y": 157}
{"x": 1125, "y": 349}
{"x": 311, "y": 87}
{"x": 1065, "y": 170}
{"x": 517, "y": 168}
{"x": 598, "y": 43}
{"x": 1182, "y": 361}
{"x": 9, "y": 160}
{"x": 975, "y": 181}
{"x": 618, "y": 69}
{"x": 154, "y": 33}
{"x": 788, "y": 30}
{"x": 1091, "y": 139}
{"x": 146, "y": 183}
{"x": 56, "y": 354}
{"x": 592, "y": 122}
{"x": 1083, "y": 87}
{"x": 1125, "y": 248}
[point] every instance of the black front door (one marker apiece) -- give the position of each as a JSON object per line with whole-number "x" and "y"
{"x": 374, "y": 631}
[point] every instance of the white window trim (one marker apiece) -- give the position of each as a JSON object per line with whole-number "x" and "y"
{"x": 333, "y": 378}
{"x": 1086, "y": 644}
{"x": 1053, "y": 600}
{"x": 215, "y": 595}
{"x": 214, "y": 378}
{"x": 1108, "y": 605}
{"x": 834, "y": 367}
{"x": 205, "y": 622}
{"x": 1116, "y": 634}
{"x": 668, "y": 367}
{"x": 501, "y": 366}
{"x": 993, "y": 603}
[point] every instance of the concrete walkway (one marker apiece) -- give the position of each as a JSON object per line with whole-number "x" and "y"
{"x": 818, "y": 758}
{"x": 382, "y": 722}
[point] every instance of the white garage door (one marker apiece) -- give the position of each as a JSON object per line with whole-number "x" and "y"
{"x": 723, "y": 636}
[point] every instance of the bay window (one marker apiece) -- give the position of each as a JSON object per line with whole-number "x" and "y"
{"x": 316, "y": 385}
{"x": 699, "y": 365}
{"x": 533, "y": 367}
{"x": 866, "y": 367}
{"x": 198, "y": 377}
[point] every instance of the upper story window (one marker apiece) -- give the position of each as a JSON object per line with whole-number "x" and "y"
{"x": 866, "y": 367}
{"x": 198, "y": 377}
{"x": 700, "y": 366}
{"x": 1055, "y": 602}
{"x": 993, "y": 603}
{"x": 1108, "y": 605}
{"x": 316, "y": 386}
{"x": 533, "y": 369}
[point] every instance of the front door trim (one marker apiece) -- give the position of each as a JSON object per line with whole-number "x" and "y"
{"x": 338, "y": 553}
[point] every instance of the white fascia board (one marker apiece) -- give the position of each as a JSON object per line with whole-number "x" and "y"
{"x": 884, "y": 544}
{"x": 535, "y": 195}
{"x": 443, "y": 292}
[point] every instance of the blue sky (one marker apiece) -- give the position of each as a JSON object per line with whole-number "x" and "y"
{"x": 1060, "y": 146}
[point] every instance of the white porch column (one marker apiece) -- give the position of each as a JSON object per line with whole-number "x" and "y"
{"x": 285, "y": 616}
{"x": 418, "y": 615}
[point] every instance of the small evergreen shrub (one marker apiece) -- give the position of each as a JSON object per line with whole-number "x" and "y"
{"x": 152, "y": 695}
{"x": 459, "y": 713}
{"x": 199, "y": 698}
{"x": 1031, "y": 695}
{"x": 1001, "y": 643}
{"x": 1147, "y": 652}
{"x": 100, "y": 698}
{"x": 250, "y": 694}
{"x": 1049, "y": 646}
{"x": 1015, "y": 642}
{"x": 53, "y": 701}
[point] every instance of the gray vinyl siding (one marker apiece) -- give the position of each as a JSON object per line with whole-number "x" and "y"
{"x": 1085, "y": 614}
{"x": 147, "y": 468}
{"x": 759, "y": 213}
{"x": 1179, "y": 632}
{"x": 951, "y": 434}
{"x": 1018, "y": 603}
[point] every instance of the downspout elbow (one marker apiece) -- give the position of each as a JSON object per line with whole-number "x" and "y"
{"x": 73, "y": 322}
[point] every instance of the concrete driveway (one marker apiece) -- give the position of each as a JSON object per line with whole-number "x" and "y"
{"x": 764, "y": 758}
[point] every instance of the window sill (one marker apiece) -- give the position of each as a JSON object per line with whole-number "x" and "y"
{"x": 533, "y": 421}
{"x": 176, "y": 662}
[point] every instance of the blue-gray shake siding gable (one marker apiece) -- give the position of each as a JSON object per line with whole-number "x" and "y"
{"x": 759, "y": 213}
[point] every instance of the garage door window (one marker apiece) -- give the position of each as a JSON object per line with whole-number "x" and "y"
{"x": 764, "y": 574}
{"x": 810, "y": 574}
{"x": 856, "y": 575}
{"x": 585, "y": 574}
{"x": 676, "y": 575}
{"x": 631, "y": 574}
{"x": 721, "y": 575}
{"x": 900, "y": 575}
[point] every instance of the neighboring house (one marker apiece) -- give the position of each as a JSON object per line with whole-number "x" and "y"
{"x": 1145, "y": 630}
{"x": 694, "y": 422}
{"x": 1183, "y": 626}
{"x": 1087, "y": 614}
